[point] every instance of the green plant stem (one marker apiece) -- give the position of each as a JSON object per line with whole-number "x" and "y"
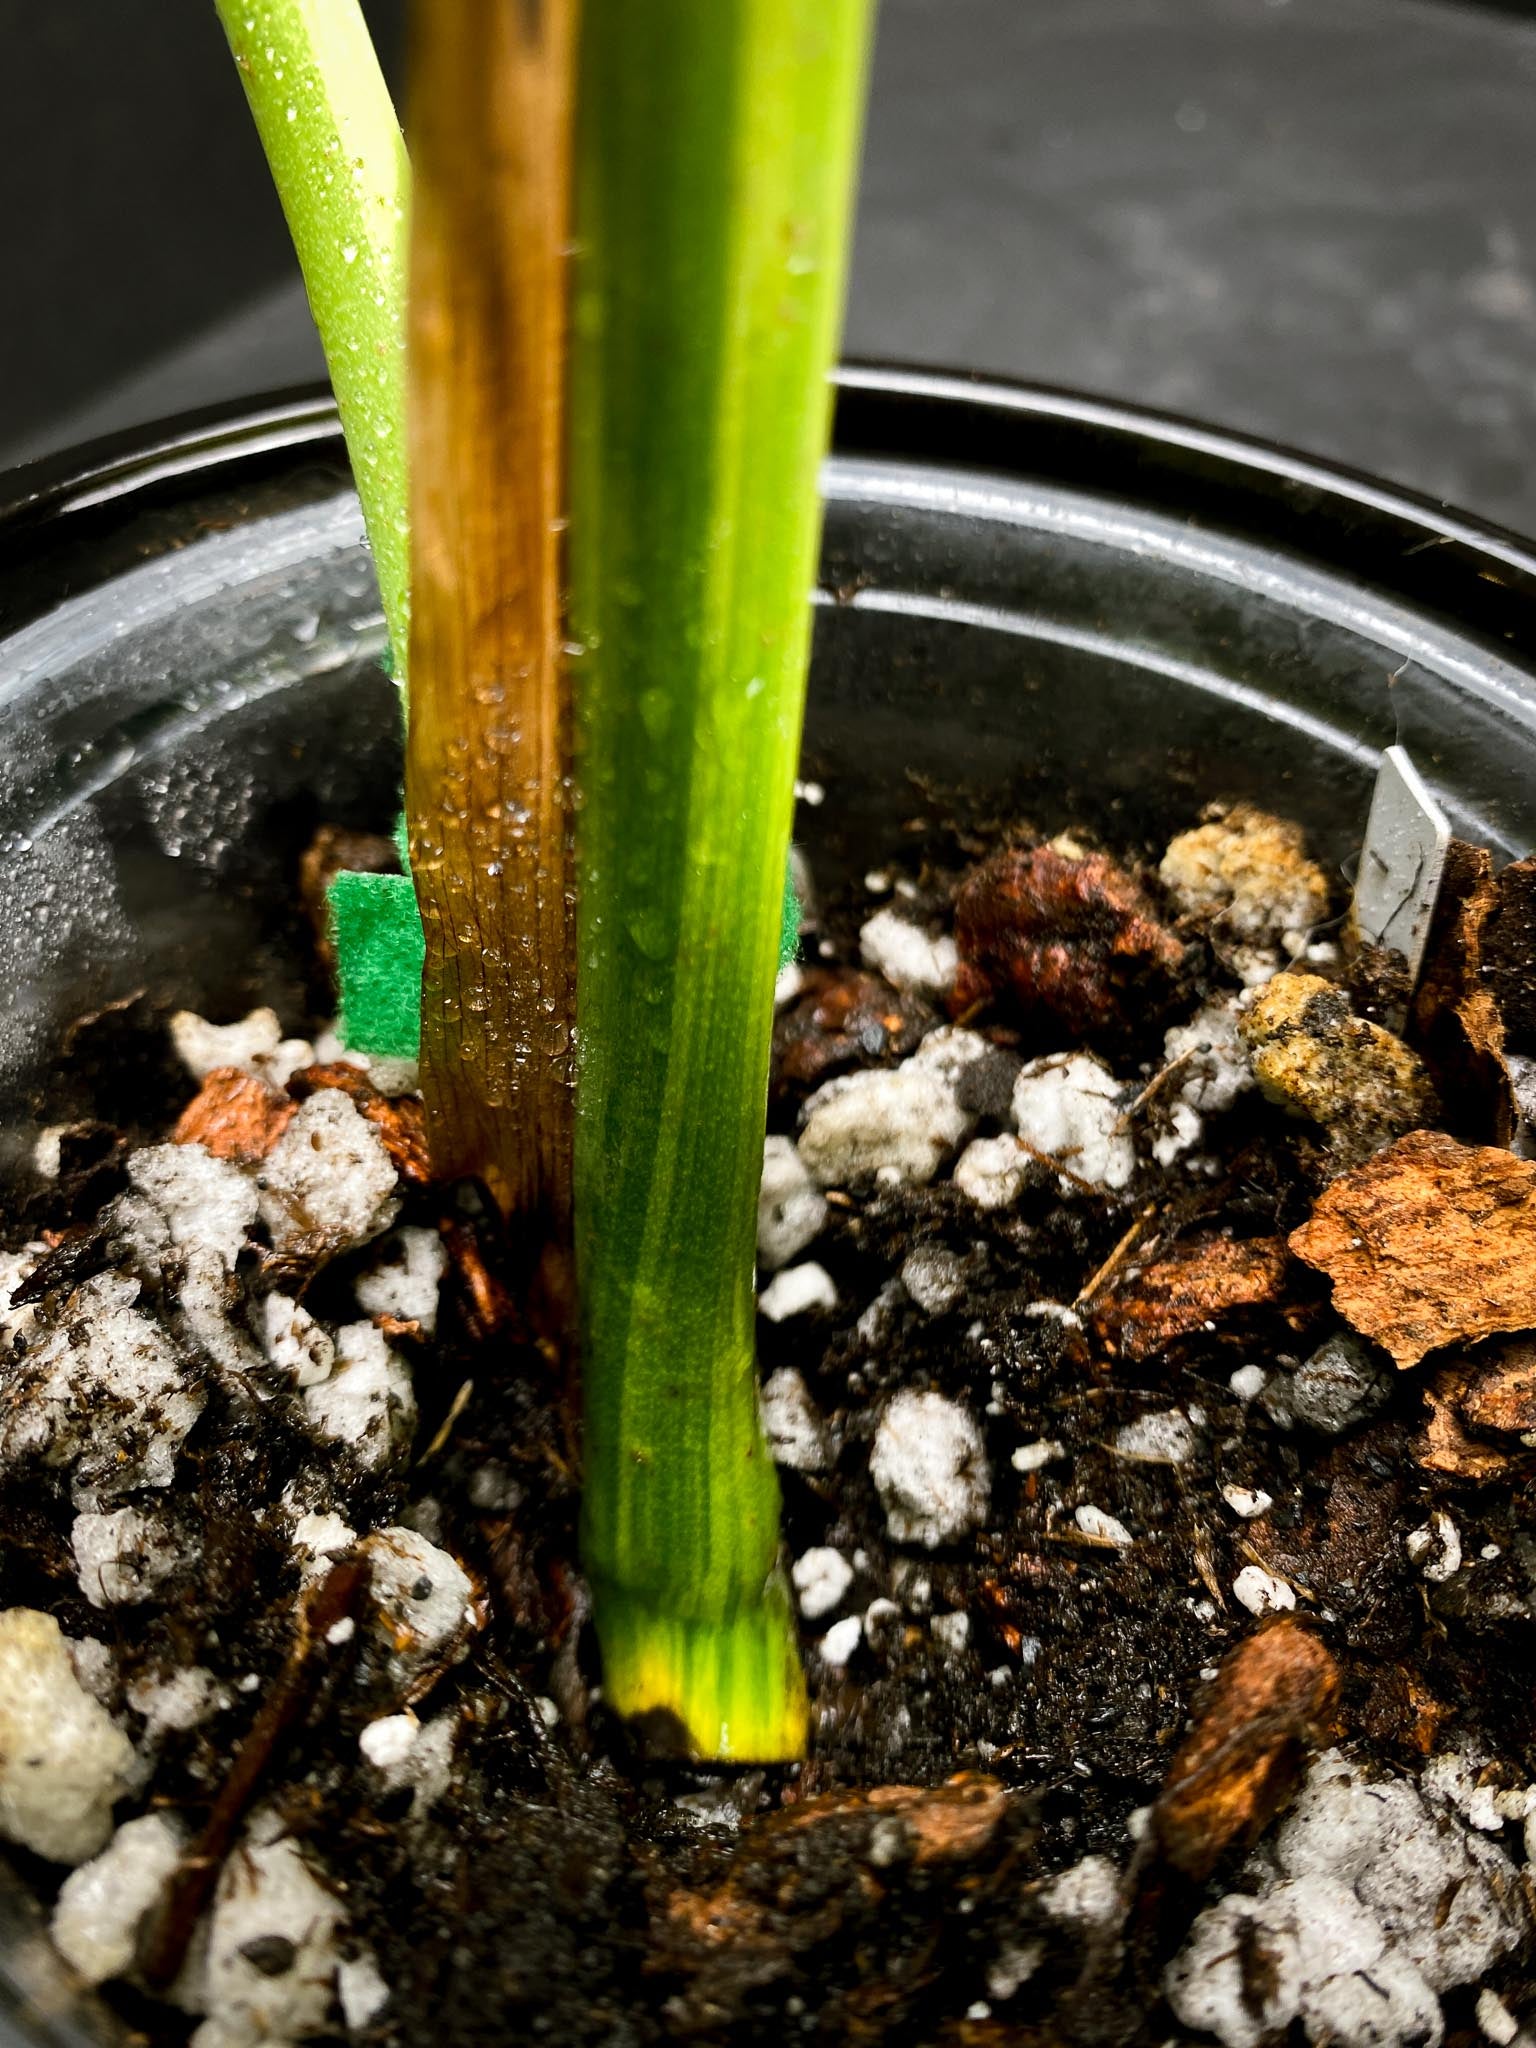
{"x": 338, "y": 161}
{"x": 716, "y": 142}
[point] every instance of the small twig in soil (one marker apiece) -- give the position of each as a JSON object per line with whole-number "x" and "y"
{"x": 1256, "y": 1556}
{"x": 1205, "y": 1567}
{"x": 1054, "y": 1162}
{"x": 1110, "y": 1266}
{"x": 456, "y": 1408}
{"x": 164, "y": 1945}
{"x": 1128, "y": 1115}
{"x": 490, "y": 1310}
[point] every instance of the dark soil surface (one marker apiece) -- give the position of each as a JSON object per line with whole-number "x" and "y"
{"x": 1101, "y": 1698}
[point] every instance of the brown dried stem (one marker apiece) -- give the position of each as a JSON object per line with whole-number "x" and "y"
{"x": 488, "y": 746}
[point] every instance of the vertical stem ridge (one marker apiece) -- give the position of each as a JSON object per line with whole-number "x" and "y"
{"x": 487, "y": 776}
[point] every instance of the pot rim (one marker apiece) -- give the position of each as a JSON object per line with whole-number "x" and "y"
{"x": 1425, "y": 552}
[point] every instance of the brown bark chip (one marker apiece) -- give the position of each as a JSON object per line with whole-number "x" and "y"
{"x": 948, "y": 1823}
{"x": 1430, "y": 1243}
{"x": 1444, "y": 1446}
{"x": 234, "y": 1115}
{"x": 333, "y": 849}
{"x": 1195, "y": 1287}
{"x": 841, "y": 1019}
{"x": 801, "y": 1873}
{"x": 1509, "y": 952}
{"x": 1273, "y": 1699}
{"x": 1069, "y": 939}
{"x": 1499, "y": 1393}
{"x": 1456, "y": 1021}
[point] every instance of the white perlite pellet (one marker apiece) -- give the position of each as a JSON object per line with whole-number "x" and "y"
{"x": 1181, "y": 1130}
{"x": 255, "y": 1045}
{"x": 1031, "y": 1457}
{"x": 1497, "y": 2022}
{"x": 101, "y": 1905}
{"x": 366, "y": 1403}
{"x": 1325, "y": 1958}
{"x": 389, "y": 1741}
{"x": 15, "y": 1267}
{"x": 206, "y": 1202}
{"x": 929, "y": 1466}
{"x": 104, "y": 1395}
{"x": 320, "y": 1536}
{"x": 121, "y": 1558}
{"x": 183, "y": 1700}
{"x": 267, "y": 1895}
{"x": 420, "y": 1600}
{"x": 300, "y": 1348}
{"x": 404, "y": 1277}
{"x": 841, "y": 1640}
{"x": 1216, "y": 1069}
{"x": 1087, "y": 1895}
{"x": 1164, "y": 1438}
{"x": 1100, "y": 1527}
{"x": 950, "y": 1053}
{"x": 893, "y": 1125}
{"x": 908, "y": 958}
{"x": 934, "y": 1277}
{"x": 328, "y": 1182}
{"x": 1069, "y": 1107}
{"x": 951, "y": 1632}
{"x": 797, "y": 1291}
{"x": 1445, "y": 1896}
{"x": 1248, "y": 1502}
{"x": 1370, "y": 1899}
{"x": 360, "y": 1990}
{"x": 994, "y": 1171}
{"x": 1436, "y": 1548}
{"x": 796, "y": 1434}
{"x": 63, "y": 1760}
{"x": 48, "y": 1151}
{"x": 791, "y": 1209}
{"x": 1261, "y": 1592}
{"x": 821, "y": 1579}
{"x": 95, "y": 1665}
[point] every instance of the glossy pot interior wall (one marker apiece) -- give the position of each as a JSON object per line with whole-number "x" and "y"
{"x": 1075, "y": 610}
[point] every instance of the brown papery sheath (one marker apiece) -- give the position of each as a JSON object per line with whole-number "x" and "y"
{"x": 487, "y": 778}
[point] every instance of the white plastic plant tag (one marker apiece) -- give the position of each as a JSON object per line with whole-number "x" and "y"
{"x": 1401, "y": 862}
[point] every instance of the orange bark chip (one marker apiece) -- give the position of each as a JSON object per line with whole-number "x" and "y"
{"x": 1273, "y": 1699}
{"x": 235, "y": 1116}
{"x": 1194, "y": 1288}
{"x": 1429, "y": 1243}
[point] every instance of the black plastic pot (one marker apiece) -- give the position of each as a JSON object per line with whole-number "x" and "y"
{"x": 1073, "y": 608}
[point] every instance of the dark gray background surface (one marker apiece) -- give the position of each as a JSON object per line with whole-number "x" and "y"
{"x": 1307, "y": 219}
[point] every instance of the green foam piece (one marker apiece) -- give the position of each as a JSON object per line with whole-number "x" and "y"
{"x": 376, "y": 929}
{"x": 789, "y": 929}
